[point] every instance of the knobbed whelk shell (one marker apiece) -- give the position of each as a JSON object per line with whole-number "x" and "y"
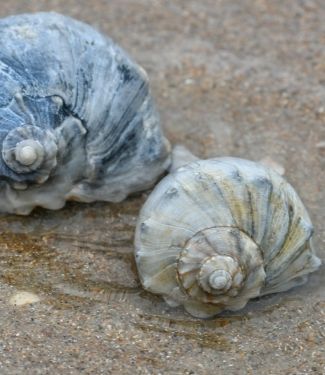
{"x": 216, "y": 233}
{"x": 76, "y": 117}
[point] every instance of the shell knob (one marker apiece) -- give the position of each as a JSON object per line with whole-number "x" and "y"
{"x": 218, "y": 274}
{"x": 28, "y": 152}
{"x": 220, "y": 280}
{"x": 31, "y": 150}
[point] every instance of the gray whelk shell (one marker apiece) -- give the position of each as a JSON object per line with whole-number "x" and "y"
{"x": 216, "y": 233}
{"x": 76, "y": 117}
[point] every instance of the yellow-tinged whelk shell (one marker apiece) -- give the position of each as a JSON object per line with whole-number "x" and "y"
{"x": 216, "y": 233}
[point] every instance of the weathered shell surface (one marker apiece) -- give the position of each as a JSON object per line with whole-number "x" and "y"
{"x": 216, "y": 233}
{"x": 76, "y": 116}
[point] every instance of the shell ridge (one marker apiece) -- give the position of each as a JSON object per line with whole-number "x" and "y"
{"x": 192, "y": 198}
{"x": 228, "y": 226}
{"x": 166, "y": 286}
{"x": 235, "y": 167}
{"x": 160, "y": 250}
{"x": 288, "y": 237}
{"x": 268, "y": 213}
{"x": 79, "y": 107}
{"x": 19, "y": 73}
{"x": 120, "y": 126}
{"x": 188, "y": 198}
{"x": 9, "y": 115}
{"x": 9, "y": 79}
{"x": 261, "y": 206}
{"x": 282, "y": 259}
{"x": 233, "y": 197}
{"x": 8, "y": 71}
{"x": 259, "y": 189}
{"x": 19, "y": 100}
{"x": 279, "y": 213}
{"x": 113, "y": 143}
{"x": 250, "y": 182}
{"x": 65, "y": 39}
{"x": 226, "y": 202}
{"x": 296, "y": 255}
{"x": 171, "y": 225}
{"x": 157, "y": 267}
{"x": 299, "y": 275}
{"x": 249, "y": 193}
{"x": 108, "y": 92}
{"x": 239, "y": 242}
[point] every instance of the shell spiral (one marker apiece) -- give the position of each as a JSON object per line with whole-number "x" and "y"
{"x": 77, "y": 119}
{"x": 216, "y": 233}
{"x": 31, "y": 149}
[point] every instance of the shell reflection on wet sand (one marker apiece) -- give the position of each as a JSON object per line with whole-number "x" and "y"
{"x": 69, "y": 256}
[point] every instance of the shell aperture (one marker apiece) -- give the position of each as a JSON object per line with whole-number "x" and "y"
{"x": 77, "y": 120}
{"x": 216, "y": 233}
